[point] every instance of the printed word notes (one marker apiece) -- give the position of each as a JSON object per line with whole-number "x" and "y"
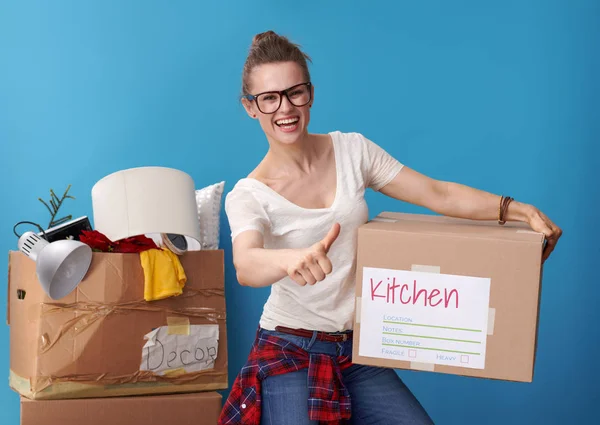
{"x": 424, "y": 317}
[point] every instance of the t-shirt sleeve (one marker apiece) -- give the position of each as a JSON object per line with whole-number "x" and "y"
{"x": 380, "y": 166}
{"x": 245, "y": 212}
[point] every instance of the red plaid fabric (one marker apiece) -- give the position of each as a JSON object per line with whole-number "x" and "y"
{"x": 328, "y": 399}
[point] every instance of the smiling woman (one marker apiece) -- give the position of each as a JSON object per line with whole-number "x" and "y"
{"x": 300, "y": 368}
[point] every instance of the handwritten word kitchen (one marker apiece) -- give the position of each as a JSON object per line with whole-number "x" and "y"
{"x": 394, "y": 292}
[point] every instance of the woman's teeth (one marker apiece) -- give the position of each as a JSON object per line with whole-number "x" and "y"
{"x": 286, "y": 122}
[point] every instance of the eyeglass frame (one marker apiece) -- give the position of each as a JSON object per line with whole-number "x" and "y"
{"x": 281, "y": 93}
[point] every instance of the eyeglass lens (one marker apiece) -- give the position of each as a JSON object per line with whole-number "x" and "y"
{"x": 270, "y": 102}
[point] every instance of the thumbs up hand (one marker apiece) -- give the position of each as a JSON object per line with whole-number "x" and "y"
{"x": 311, "y": 265}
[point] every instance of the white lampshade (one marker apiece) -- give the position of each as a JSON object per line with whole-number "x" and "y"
{"x": 145, "y": 200}
{"x": 60, "y": 265}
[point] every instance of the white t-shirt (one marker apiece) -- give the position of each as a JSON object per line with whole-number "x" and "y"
{"x": 251, "y": 205}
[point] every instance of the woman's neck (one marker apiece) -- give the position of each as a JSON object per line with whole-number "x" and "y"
{"x": 298, "y": 156}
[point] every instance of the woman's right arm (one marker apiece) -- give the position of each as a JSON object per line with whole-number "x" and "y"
{"x": 257, "y": 266}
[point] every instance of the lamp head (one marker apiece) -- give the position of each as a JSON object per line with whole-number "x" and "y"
{"x": 60, "y": 265}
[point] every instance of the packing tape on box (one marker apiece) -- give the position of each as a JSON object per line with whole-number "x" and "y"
{"x": 427, "y": 367}
{"x": 491, "y": 320}
{"x": 40, "y": 383}
{"x": 175, "y": 372}
{"x": 90, "y": 312}
{"x": 178, "y": 325}
{"x": 533, "y": 232}
{"x": 357, "y": 311}
{"x": 384, "y": 220}
{"x": 424, "y": 268}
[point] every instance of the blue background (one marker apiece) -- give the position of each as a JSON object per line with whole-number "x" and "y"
{"x": 502, "y": 96}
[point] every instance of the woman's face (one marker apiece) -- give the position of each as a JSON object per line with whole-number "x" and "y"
{"x": 282, "y": 120}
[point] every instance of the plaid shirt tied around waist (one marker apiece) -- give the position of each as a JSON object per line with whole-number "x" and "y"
{"x": 328, "y": 399}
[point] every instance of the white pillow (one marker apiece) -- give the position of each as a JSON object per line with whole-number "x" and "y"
{"x": 208, "y": 201}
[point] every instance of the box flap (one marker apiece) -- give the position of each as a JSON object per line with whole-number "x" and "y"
{"x": 459, "y": 227}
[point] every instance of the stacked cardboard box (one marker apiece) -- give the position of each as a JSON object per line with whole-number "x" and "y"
{"x": 194, "y": 408}
{"x": 92, "y": 350}
{"x": 448, "y": 295}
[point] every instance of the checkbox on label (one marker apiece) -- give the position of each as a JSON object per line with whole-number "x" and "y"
{"x": 464, "y": 358}
{"x": 412, "y": 353}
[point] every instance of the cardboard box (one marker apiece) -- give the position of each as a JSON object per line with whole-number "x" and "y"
{"x": 104, "y": 340}
{"x": 448, "y": 295}
{"x": 182, "y": 409}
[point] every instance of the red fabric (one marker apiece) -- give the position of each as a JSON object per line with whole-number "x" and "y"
{"x": 99, "y": 242}
{"x": 329, "y": 400}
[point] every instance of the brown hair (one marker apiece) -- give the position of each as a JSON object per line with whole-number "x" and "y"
{"x": 269, "y": 47}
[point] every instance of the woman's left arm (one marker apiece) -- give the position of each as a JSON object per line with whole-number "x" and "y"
{"x": 457, "y": 200}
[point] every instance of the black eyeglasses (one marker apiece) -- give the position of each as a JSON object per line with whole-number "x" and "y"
{"x": 270, "y": 101}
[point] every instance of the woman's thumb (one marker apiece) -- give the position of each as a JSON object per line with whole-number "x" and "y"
{"x": 330, "y": 238}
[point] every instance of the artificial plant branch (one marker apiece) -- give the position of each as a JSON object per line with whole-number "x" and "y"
{"x": 56, "y": 204}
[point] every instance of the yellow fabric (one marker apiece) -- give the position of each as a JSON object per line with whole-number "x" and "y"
{"x": 163, "y": 274}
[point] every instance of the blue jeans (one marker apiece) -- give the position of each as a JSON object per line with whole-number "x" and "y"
{"x": 379, "y": 397}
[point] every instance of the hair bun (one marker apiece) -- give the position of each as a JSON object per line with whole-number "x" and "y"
{"x": 259, "y": 37}
{"x": 270, "y": 47}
